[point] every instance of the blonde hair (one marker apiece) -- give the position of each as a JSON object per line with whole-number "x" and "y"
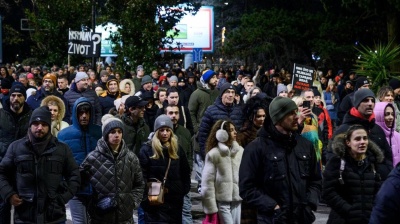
{"x": 172, "y": 146}
{"x": 55, "y": 101}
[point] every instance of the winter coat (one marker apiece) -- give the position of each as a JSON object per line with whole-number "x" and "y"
{"x": 81, "y": 142}
{"x": 12, "y": 127}
{"x": 73, "y": 94}
{"x": 150, "y": 115}
{"x": 214, "y": 113}
{"x": 386, "y": 208}
{"x": 279, "y": 169}
{"x": 184, "y": 95}
{"x": 200, "y": 99}
{"x": 34, "y": 101}
{"x": 392, "y": 136}
{"x": 375, "y": 133}
{"x": 345, "y": 105}
{"x": 330, "y": 105}
{"x": 134, "y": 135}
{"x": 184, "y": 140}
{"x": 352, "y": 201}
{"x": 246, "y": 136}
{"x": 107, "y": 101}
{"x": 46, "y": 182}
{"x": 119, "y": 177}
{"x": 220, "y": 176}
{"x": 177, "y": 184}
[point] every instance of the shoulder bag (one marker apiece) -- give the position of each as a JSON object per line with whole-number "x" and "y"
{"x": 156, "y": 189}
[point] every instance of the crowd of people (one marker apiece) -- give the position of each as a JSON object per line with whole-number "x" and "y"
{"x": 261, "y": 151}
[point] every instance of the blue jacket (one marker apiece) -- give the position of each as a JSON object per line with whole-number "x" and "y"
{"x": 81, "y": 142}
{"x": 214, "y": 113}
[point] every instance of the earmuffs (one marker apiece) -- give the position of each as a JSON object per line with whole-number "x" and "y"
{"x": 222, "y": 135}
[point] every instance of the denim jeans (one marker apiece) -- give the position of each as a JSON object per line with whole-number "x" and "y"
{"x": 5, "y": 212}
{"x": 140, "y": 214}
{"x": 199, "y": 167}
{"x": 77, "y": 205}
{"x": 187, "y": 210}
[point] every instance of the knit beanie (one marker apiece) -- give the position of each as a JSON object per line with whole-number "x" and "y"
{"x": 146, "y": 79}
{"x": 279, "y": 107}
{"x": 163, "y": 121}
{"x": 316, "y": 92}
{"x": 173, "y": 78}
{"x": 42, "y": 114}
{"x": 50, "y": 76}
{"x": 394, "y": 83}
{"x": 281, "y": 87}
{"x": 80, "y": 75}
{"x": 109, "y": 123}
{"x": 225, "y": 87}
{"x": 361, "y": 81}
{"x": 5, "y": 84}
{"x": 206, "y": 77}
{"x": 360, "y": 95}
{"x": 18, "y": 89}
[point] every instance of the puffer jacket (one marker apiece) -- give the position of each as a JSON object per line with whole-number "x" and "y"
{"x": 214, "y": 113}
{"x": 352, "y": 201}
{"x": 220, "y": 176}
{"x": 81, "y": 142}
{"x": 387, "y": 202}
{"x": 72, "y": 95}
{"x": 119, "y": 177}
{"x": 178, "y": 184}
{"x": 280, "y": 169}
{"x": 375, "y": 133}
{"x": 46, "y": 182}
{"x": 11, "y": 128}
{"x": 200, "y": 99}
{"x": 392, "y": 136}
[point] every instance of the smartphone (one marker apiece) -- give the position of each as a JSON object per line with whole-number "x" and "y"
{"x": 306, "y": 104}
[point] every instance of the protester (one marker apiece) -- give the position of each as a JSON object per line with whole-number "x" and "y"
{"x": 114, "y": 173}
{"x": 38, "y": 174}
{"x": 155, "y": 156}
{"x": 352, "y": 176}
{"x": 220, "y": 178}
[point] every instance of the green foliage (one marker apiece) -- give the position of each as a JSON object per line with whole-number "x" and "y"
{"x": 375, "y": 62}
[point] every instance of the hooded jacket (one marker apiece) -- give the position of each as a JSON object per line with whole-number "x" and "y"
{"x": 119, "y": 177}
{"x": 375, "y": 133}
{"x": 58, "y": 124}
{"x": 352, "y": 201}
{"x": 73, "y": 94}
{"x": 392, "y": 136}
{"x": 81, "y": 142}
{"x": 280, "y": 169}
{"x": 199, "y": 100}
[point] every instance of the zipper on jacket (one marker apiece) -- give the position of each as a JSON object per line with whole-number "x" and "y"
{"x": 116, "y": 185}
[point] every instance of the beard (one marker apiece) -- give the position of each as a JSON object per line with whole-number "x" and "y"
{"x": 16, "y": 106}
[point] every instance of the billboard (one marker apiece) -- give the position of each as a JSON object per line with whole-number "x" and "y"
{"x": 106, "y": 44}
{"x": 195, "y": 31}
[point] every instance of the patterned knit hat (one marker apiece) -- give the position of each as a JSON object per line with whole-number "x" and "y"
{"x": 109, "y": 123}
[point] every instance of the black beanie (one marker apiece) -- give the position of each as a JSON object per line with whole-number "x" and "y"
{"x": 42, "y": 114}
{"x": 394, "y": 83}
{"x": 361, "y": 81}
{"x": 360, "y": 95}
{"x": 225, "y": 87}
{"x": 18, "y": 89}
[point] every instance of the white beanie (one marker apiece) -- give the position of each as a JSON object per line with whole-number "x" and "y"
{"x": 80, "y": 75}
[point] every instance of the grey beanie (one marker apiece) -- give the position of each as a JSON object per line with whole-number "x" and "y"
{"x": 109, "y": 123}
{"x": 41, "y": 114}
{"x": 163, "y": 121}
{"x": 281, "y": 87}
{"x": 279, "y": 107}
{"x": 146, "y": 79}
{"x": 80, "y": 75}
{"x": 360, "y": 95}
{"x": 173, "y": 78}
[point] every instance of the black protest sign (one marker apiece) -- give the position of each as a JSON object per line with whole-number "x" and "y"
{"x": 302, "y": 77}
{"x": 86, "y": 44}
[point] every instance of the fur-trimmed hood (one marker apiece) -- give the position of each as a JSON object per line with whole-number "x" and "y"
{"x": 59, "y": 102}
{"x": 122, "y": 86}
{"x": 339, "y": 147}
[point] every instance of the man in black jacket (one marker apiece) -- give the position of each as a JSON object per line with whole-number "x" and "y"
{"x": 279, "y": 174}
{"x": 38, "y": 174}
